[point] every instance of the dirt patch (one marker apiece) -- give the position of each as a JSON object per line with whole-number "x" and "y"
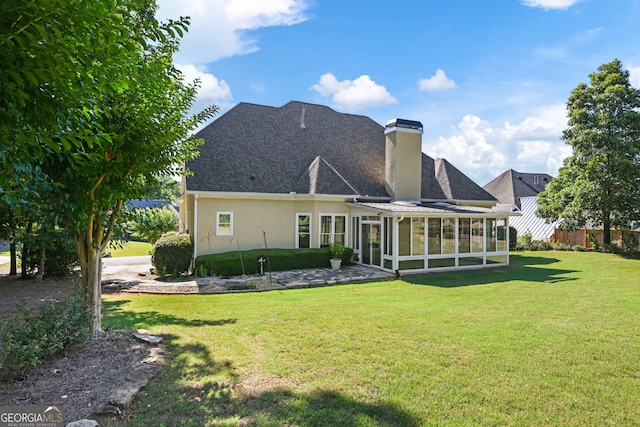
{"x": 82, "y": 378}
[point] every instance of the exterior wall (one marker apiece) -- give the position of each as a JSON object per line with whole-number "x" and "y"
{"x": 253, "y": 218}
{"x": 530, "y": 223}
{"x": 403, "y": 164}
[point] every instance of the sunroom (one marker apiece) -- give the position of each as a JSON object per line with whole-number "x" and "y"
{"x": 407, "y": 238}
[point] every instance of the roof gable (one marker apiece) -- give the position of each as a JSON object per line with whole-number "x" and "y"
{"x": 456, "y": 185}
{"x": 322, "y": 178}
{"x": 511, "y": 185}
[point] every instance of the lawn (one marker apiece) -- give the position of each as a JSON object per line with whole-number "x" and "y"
{"x": 554, "y": 339}
{"x": 130, "y": 248}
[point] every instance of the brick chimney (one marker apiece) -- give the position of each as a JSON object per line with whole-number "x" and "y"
{"x": 403, "y": 159}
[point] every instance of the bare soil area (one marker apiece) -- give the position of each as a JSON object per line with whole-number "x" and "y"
{"x": 79, "y": 380}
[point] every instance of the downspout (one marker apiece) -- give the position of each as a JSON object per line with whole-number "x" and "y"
{"x": 195, "y": 228}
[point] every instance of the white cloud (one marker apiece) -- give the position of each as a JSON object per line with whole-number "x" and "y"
{"x": 354, "y": 94}
{"x": 550, "y": 4}
{"x": 439, "y": 81}
{"x": 634, "y": 75}
{"x": 211, "y": 91}
{"x": 210, "y": 87}
{"x": 223, "y": 34}
{"x": 483, "y": 151}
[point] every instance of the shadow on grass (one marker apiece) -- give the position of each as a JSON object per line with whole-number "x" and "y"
{"x": 119, "y": 317}
{"x": 528, "y": 269}
{"x": 195, "y": 389}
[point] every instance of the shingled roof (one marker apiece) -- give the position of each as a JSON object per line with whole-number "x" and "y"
{"x": 511, "y": 185}
{"x": 308, "y": 149}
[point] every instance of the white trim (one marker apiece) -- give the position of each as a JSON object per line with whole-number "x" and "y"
{"x": 220, "y": 213}
{"x": 195, "y": 227}
{"x": 333, "y": 226}
{"x": 273, "y": 196}
{"x": 297, "y": 236}
{"x": 401, "y": 129}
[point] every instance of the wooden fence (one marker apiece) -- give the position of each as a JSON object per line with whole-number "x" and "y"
{"x": 580, "y": 237}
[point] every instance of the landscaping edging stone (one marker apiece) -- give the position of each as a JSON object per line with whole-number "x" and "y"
{"x": 138, "y": 378}
{"x": 295, "y": 279}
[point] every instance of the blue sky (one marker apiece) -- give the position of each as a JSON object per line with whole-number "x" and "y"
{"x": 489, "y": 80}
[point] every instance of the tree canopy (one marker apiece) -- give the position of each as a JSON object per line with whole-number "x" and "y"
{"x": 599, "y": 184}
{"x": 92, "y": 110}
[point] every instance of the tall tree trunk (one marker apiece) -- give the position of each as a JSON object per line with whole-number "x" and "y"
{"x": 41, "y": 260}
{"x": 606, "y": 225}
{"x": 25, "y": 251}
{"x": 14, "y": 260}
{"x": 91, "y": 270}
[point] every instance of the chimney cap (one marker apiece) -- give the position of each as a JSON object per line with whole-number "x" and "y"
{"x": 404, "y": 123}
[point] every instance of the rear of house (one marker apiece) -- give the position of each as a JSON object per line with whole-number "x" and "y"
{"x": 304, "y": 175}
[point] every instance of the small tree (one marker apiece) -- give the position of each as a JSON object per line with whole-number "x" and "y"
{"x": 598, "y": 183}
{"x": 151, "y": 223}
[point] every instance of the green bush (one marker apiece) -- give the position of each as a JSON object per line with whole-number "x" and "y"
{"x": 230, "y": 263}
{"x": 579, "y": 248}
{"x": 629, "y": 241}
{"x": 151, "y": 223}
{"x": 172, "y": 254}
{"x": 32, "y": 335}
{"x": 60, "y": 256}
{"x": 513, "y": 238}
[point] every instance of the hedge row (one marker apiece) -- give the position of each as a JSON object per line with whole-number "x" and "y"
{"x": 231, "y": 263}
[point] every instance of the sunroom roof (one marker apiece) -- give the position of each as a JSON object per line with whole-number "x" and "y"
{"x": 415, "y": 209}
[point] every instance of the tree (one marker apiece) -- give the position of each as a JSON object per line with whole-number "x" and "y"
{"x": 165, "y": 188}
{"x": 151, "y": 223}
{"x": 115, "y": 113}
{"x": 599, "y": 184}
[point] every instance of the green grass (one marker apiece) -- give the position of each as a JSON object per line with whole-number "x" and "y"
{"x": 552, "y": 340}
{"x": 130, "y": 248}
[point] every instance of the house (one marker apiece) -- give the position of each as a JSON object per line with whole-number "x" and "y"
{"x": 304, "y": 175}
{"x": 518, "y": 191}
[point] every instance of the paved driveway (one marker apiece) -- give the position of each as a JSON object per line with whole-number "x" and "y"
{"x": 126, "y": 265}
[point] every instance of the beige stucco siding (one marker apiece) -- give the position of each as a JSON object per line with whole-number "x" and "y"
{"x": 253, "y": 218}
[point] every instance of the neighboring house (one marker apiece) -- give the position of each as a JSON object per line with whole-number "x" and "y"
{"x": 304, "y": 175}
{"x": 150, "y": 204}
{"x": 519, "y": 192}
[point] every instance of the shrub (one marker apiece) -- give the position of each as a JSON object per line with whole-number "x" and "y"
{"x": 513, "y": 238}
{"x": 559, "y": 246}
{"x": 579, "y": 248}
{"x": 151, "y": 223}
{"x": 593, "y": 241}
{"x": 172, "y": 254}
{"x": 229, "y": 263}
{"x": 629, "y": 241}
{"x": 32, "y": 335}
{"x": 60, "y": 256}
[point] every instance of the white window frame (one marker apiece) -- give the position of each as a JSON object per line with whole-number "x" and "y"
{"x": 218, "y": 215}
{"x": 298, "y": 215}
{"x": 333, "y": 227}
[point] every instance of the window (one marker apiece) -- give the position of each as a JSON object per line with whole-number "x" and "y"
{"x": 464, "y": 235}
{"x": 303, "y": 231}
{"x": 448, "y": 235}
{"x": 491, "y": 235}
{"x": 411, "y": 236}
{"x": 502, "y": 234}
{"x": 333, "y": 228}
{"x": 477, "y": 233}
{"x": 435, "y": 235}
{"x": 224, "y": 224}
